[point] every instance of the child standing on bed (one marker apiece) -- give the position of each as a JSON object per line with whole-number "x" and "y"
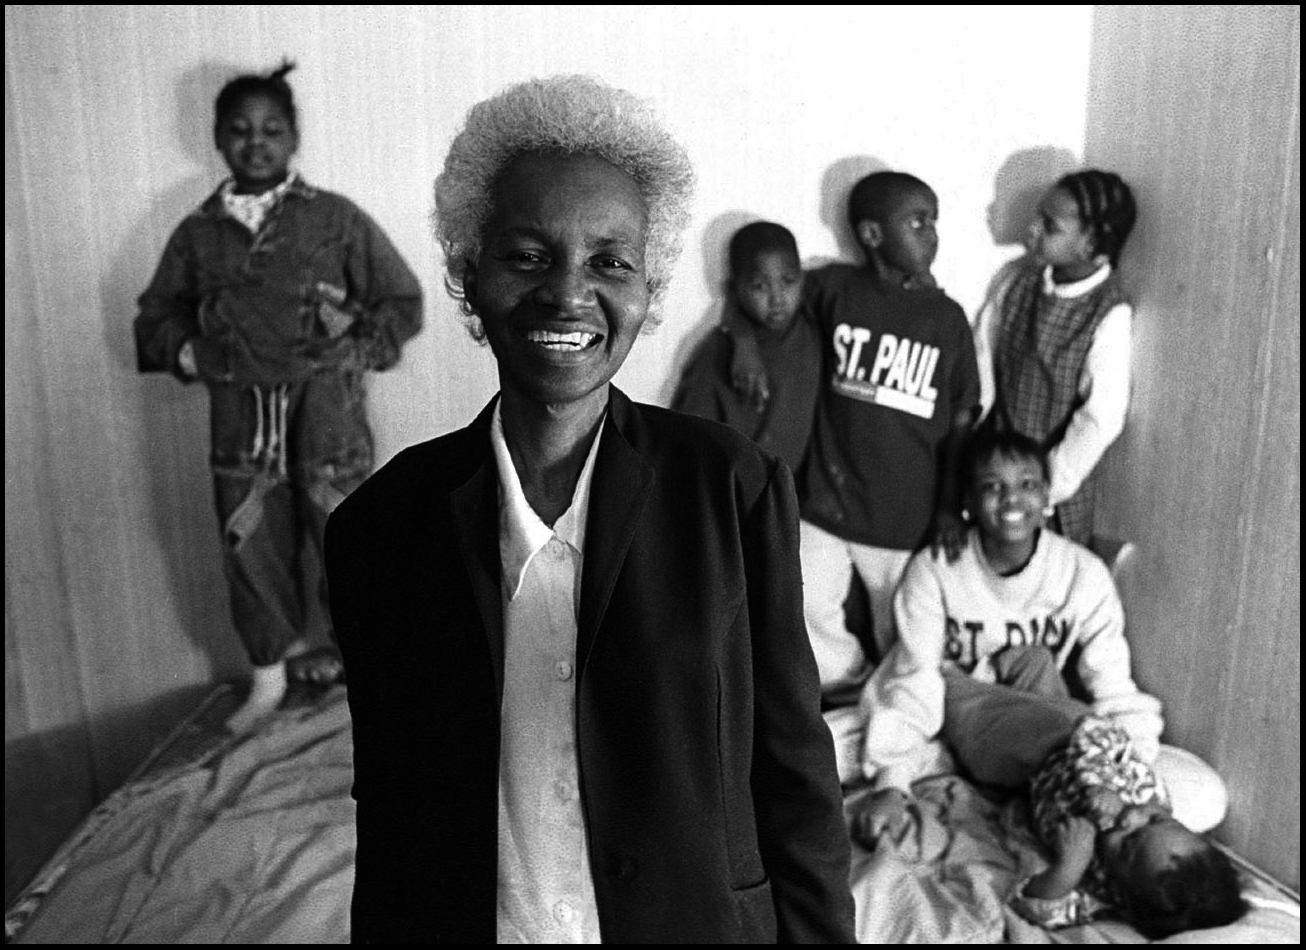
{"x": 1053, "y": 346}
{"x": 278, "y": 296}
{"x": 766, "y": 283}
{"x": 1015, "y": 585}
{"x": 1098, "y": 808}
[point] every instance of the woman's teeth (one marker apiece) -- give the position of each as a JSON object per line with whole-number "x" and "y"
{"x": 561, "y": 341}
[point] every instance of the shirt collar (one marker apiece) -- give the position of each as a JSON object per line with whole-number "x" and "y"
{"x": 521, "y": 531}
{"x": 251, "y": 210}
{"x": 217, "y": 203}
{"x": 1077, "y": 288}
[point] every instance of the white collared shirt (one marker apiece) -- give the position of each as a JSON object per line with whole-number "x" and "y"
{"x": 1103, "y": 382}
{"x": 546, "y": 888}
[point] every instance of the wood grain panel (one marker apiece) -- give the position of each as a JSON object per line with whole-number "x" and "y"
{"x": 1198, "y": 108}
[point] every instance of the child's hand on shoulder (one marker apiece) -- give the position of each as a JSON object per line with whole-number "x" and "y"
{"x": 948, "y": 535}
{"x": 884, "y": 811}
{"x": 748, "y": 373}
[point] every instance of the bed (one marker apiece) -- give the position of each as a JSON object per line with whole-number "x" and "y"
{"x": 220, "y": 840}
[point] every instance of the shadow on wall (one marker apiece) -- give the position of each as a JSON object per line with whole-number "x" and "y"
{"x": 1017, "y": 187}
{"x": 716, "y": 274}
{"x": 836, "y": 184}
{"x": 1020, "y": 183}
{"x": 171, "y": 418}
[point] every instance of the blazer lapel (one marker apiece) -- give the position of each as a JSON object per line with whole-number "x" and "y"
{"x": 618, "y": 493}
{"x": 475, "y": 508}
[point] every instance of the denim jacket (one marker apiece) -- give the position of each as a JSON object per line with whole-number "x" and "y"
{"x": 283, "y": 323}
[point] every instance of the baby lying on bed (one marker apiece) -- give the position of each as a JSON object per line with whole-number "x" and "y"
{"x": 1097, "y": 806}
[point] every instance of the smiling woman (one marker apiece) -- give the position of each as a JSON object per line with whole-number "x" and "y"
{"x": 609, "y": 687}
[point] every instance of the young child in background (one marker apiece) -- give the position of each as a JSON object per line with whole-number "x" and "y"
{"x": 898, "y": 388}
{"x": 1054, "y": 345}
{"x": 278, "y": 296}
{"x": 1015, "y": 586}
{"x": 1097, "y": 806}
{"x": 765, "y": 287}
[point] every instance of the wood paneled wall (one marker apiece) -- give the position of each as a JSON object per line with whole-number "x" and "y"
{"x": 1199, "y": 109}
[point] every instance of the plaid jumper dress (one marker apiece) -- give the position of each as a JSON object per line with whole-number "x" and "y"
{"x": 1043, "y": 342}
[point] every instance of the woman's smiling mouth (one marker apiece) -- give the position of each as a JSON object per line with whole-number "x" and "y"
{"x": 572, "y": 342}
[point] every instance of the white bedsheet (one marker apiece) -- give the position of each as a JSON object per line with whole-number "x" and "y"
{"x": 253, "y": 842}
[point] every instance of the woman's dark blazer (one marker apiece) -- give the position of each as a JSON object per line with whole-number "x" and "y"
{"x": 707, "y": 774}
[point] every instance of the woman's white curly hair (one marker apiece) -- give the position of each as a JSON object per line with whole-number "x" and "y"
{"x": 560, "y": 115}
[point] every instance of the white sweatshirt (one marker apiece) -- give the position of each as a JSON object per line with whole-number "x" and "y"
{"x": 960, "y": 614}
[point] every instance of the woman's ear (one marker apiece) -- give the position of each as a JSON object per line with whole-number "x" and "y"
{"x": 469, "y": 284}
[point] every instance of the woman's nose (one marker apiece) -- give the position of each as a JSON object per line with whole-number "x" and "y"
{"x": 565, "y": 289}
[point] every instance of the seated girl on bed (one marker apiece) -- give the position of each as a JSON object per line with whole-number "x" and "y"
{"x": 1014, "y": 584}
{"x": 1001, "y": 623}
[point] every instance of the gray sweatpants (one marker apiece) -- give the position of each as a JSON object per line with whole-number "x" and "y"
{"x": 1003, "y": 732}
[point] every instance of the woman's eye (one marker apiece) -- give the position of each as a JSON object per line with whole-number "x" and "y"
{"x": 523, "y": 258}
{"x": 611, "y": 263}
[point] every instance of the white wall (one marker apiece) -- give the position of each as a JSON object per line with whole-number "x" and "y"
{"x": 114, "y": 594}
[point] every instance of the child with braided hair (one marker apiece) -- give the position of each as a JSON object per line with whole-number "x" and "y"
{"x": 278, "y": 296}
{"x": 1053, "y": 345}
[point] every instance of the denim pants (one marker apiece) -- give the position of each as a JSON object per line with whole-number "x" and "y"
{"x": 283, "y": 458}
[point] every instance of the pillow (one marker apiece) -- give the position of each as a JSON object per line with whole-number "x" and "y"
{"x": 1197, "y": 792}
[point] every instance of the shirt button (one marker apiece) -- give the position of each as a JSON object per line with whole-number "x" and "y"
{"x": 563, "y": 912}
{"x": 563, "y": 790}
{"x": 563, "y": 670}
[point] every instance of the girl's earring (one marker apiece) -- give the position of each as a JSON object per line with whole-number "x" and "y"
{"x": 1049, "y": 511}
{"x": 965, "y": 515}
